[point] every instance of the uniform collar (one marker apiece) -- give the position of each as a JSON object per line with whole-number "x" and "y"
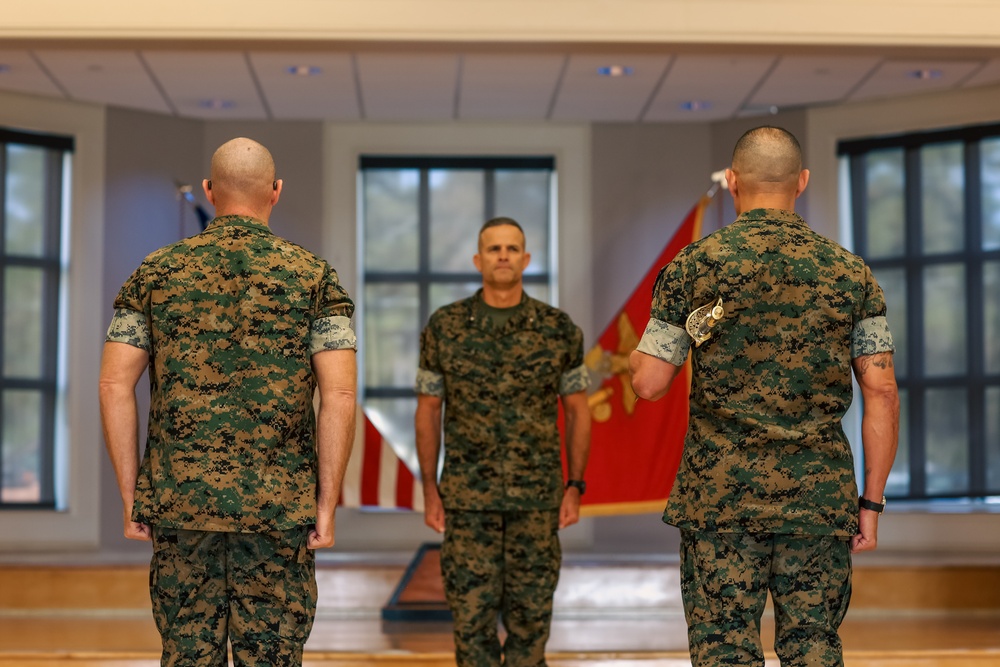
{"x": 524, "y": 318}
{"x": 237, "y": 221}
{"x": 772, "y": 215}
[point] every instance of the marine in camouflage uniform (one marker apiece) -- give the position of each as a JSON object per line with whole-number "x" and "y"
{"x": 237, "y": 486}
{"x": 766, "y": 497}
{"x": 499, "y": 374}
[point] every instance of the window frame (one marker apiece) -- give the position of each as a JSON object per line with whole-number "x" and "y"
{"x": 914, "y": 263}
{"x": 75, "y": 523}
{"x": 50, "y": 262}
{"x": 424, "y": 277}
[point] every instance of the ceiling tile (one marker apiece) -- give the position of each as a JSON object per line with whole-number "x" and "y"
{"x": 896, "y": 77}
{"x": 508, "y": 87}
{"x": 585, "y": 94}
{"x": 117, "y": 78}
{"x": 988, "y": 74}
{"x": 207, "y": 84}
{"x": 802, "y": 80}
{"x": 19, "y": 73}
{"x": 715, "y": 85}
{"x": 408, "y": 86}
{"x": 328, "y": 93}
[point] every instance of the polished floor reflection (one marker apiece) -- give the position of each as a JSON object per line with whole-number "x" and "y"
{"x": 607, "y": 615}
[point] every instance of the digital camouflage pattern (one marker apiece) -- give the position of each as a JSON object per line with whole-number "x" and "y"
{"x": 765, "y": 451}
{"x": 500, "y": 388}
{"x": 506, "y": 564}
{"x": 725, "y": 579}
{"x": 256, "y": 589}
{"x": 231, "y": 318}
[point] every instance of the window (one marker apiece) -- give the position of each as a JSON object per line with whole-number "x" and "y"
{"x": 420, "y": 218}
{"x": 926, "y": 218}
{"x": 31, "y": 221}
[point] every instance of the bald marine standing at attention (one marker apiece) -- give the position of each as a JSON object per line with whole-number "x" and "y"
{"x": 240, "y": 476}
{"x": 775, "y": 318}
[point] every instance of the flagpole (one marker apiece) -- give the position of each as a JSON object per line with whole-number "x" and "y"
{"x": 718, "y": 181}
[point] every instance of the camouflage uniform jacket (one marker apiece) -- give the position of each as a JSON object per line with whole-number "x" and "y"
{"x": 765, "y": 451}
{"x": 500, "y": 389}
{"x": 231, "y": 318}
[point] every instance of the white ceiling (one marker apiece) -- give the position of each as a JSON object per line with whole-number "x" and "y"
{"x": 512, "y": 83}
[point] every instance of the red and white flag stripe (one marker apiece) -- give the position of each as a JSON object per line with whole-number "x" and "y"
{"x": 376, "y": 477}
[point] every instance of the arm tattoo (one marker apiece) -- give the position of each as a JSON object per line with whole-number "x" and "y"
{"x": 881, "y": 360}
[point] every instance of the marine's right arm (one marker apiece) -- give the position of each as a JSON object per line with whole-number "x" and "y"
{"x": 428, "y": 428}
{"x": 121, "y": 367}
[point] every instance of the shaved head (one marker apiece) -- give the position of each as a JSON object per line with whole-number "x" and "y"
{"x": 243, "y": 172}
{"x": 768, "y": 159}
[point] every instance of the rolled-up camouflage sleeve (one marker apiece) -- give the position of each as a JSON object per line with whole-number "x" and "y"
{"x": 871, "y": 336}
{"x": 574, "y": 380}
{"x": 332, "y": 333}
{"x": 665, "y": 341}
{"x": 130, "y": 327}
{"x": 331, "y": 330}
{"x": 871, "y": 332}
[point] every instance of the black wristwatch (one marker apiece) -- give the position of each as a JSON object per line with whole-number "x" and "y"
{"x": 866, "y": 504}
{"x": 577, "y": 484}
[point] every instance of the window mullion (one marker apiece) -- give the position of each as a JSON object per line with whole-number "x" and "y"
{"x": 976, "y": 320}
{"x": 913, "y": 221}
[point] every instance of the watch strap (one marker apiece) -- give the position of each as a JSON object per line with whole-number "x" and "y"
{"x": 864, "y": 503}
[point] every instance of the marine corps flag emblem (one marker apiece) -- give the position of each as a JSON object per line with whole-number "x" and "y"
{"x": 635, "y": 446}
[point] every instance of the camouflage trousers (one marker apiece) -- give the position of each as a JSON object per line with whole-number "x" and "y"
{"x": 725, "y": 579}
{"x": 506, "y": 565}
{"x": 258, "y": 590}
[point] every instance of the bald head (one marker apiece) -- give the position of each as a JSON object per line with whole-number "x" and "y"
{"x": 768, "y": 159}
{"x": 242, "y": 175}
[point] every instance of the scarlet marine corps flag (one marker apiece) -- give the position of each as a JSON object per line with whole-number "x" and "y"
{"x": 635, "y": 446}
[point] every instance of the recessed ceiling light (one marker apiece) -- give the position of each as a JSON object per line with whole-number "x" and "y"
{"x": 216, "y": 104}
{"x": 303, "y": 70}
{"x": 926, "y": 74}
{"x": 615, "y": 70}
{"x": 696, "y": 105}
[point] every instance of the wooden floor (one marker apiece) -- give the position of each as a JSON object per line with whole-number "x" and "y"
{"x": 607, "y": 615}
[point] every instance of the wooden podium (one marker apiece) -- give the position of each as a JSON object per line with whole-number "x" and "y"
{"x": 419, "y": 596}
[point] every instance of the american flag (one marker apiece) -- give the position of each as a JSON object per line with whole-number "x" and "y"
{"x": 376, "y": 477}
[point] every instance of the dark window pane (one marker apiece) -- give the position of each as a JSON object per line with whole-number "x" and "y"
{"x": 992, "y": 434}
{"x": 991, "y": 316}
{"x": 391, "y": 334}
{"x": 893, "y": 284}
{"x": 990, "y": 162}
{"x": 25, "y": 205}
{"x": 22, "y": 312}
{"x": 943, "y": 190}
{"x": 524, "y": 196}
{"x": 441, "y": 294}
{"x": 22, "y": 422}
{"x": 947, "y": 428}
{"x": 458, "y": 210}
{"x": 898, "y": 483}
{"x": 944, "y": 320}
{"x": 391, "y": 211}
{"x": 884, "y": 171}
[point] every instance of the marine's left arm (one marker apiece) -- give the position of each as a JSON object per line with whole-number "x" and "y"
{"x": 334, "y": 364}
{"x": 336, "y": 378}
{"x": 577, "y": 414}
